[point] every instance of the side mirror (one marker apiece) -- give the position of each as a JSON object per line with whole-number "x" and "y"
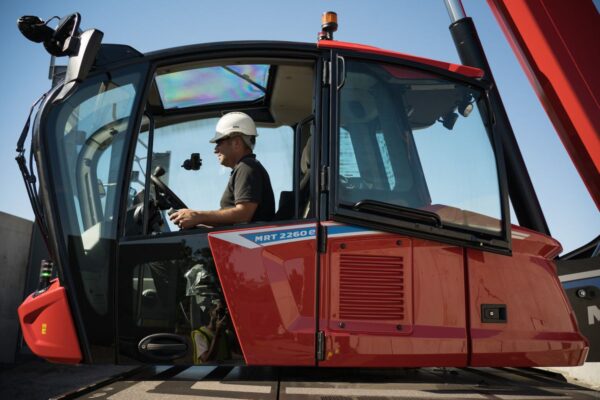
{"x": 65, "y": 41}
{"x": 449, "y": 120}
{"x": 62, "y": 41}
{"x": 193, "y": 163}
{"x": 34, "y": 29}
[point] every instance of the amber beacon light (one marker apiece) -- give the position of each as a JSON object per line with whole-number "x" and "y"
{"x": 329, "y": 25}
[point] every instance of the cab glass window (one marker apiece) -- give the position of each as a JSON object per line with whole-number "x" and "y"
{"x": 86, "y": 137}
{"x": 212, "y": 85}
{"x": 202, "y": 188}
{"x": 418, "y": 141}
{"x": 185, "y": 102}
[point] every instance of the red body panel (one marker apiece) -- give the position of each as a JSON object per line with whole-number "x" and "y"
{"x": 461, "y": 69}
{"x": 269, "y": 284}
{"x": 556, "y": 42}
{"x": 541, "y": 328}
{"x": 48, "y": 327}
{"x": 432, "y": 311}
{"x": 393, "y": 301}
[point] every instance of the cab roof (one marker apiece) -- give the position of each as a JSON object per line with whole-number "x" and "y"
{"x": 470, "y": 72}
{"x": 190, "y": 50}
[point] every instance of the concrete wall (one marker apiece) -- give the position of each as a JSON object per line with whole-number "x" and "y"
{"x": 15, "y": 237}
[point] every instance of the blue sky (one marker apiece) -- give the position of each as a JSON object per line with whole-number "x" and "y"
{"x": 417, "y": 27}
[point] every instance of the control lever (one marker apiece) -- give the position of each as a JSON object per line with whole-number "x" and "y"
{"x": 158, "y": 171}
{"x": 171, "y": 211}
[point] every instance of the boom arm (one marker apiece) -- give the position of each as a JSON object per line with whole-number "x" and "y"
{"x": 554, "y": 42}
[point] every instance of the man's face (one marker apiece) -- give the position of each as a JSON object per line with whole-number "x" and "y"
{"x": 225, "y": 151}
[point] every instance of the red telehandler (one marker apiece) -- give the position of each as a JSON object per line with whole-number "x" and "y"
{"x": 392, "y": 244}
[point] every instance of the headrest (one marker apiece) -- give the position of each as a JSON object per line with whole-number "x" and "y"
{"x": 358, "y": 105}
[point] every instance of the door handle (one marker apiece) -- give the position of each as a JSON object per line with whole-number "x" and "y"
{"x": 163, "y": 346}
{"x": 177, "y": 347}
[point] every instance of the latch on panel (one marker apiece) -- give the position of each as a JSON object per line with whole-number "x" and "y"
{"x": 493, "y": 313}
{"x": 320, "y": 346}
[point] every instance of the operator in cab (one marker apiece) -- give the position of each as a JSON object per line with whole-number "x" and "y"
{"x": 248, "y": 196}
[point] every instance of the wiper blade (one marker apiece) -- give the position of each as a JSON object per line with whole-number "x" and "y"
{"x": 392, "y": 210}
{"x": 29, "y": 178}
{"x": 244, "y": 77}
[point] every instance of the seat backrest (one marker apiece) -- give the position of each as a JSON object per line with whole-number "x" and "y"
{"x": 285, "y": 209}
{"x": 305, "y": 161}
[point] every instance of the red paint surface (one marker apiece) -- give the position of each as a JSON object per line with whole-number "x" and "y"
{"x": 393, "y": 301}
{"x": 527, "y": 241}
{"x": 270, "y": 293}
{"x": 434, "y": 327}
{"x": 48, "y": 327}
{"x": 461, "y": 69}
{"x": 556, "y": 43}
{"x": 540, "y": 328}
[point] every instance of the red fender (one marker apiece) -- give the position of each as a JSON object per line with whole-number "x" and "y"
{"x": 48, "y": 327}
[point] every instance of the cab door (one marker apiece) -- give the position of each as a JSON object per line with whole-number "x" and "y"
{"x": 402, "y": 207}
{"x": 258, "y": 278}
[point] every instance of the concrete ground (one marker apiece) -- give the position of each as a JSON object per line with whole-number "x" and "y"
{"x": 587, "y": 374}
{"x": 246, "y": 383}
{"x": 31, "y": 378}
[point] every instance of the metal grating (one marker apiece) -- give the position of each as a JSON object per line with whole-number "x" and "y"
{"x": 371, "y": 287}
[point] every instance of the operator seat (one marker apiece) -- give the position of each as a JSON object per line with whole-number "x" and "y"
{"x": 285, "y": 209}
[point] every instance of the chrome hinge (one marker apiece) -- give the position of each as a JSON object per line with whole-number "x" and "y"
{"x": 320, "y": 346}
{"x": 327, "y": 73}
{"x": 324, "y": 178}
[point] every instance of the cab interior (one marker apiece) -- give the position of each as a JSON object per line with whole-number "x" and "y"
{"x": 278, "y": 93}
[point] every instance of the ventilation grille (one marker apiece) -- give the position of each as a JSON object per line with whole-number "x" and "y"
{"x": 371, "y": 287}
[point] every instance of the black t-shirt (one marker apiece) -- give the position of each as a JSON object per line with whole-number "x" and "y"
{"x": 249, "y": 182}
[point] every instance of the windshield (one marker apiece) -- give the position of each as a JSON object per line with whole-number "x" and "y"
{"x": 410, "y": 139}
{"x": 86, "y": 137}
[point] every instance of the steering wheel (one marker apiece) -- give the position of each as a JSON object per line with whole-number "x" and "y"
{"x": 164, "y": 195}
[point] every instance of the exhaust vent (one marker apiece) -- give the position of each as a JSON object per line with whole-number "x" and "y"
{"x": 372, "y": 288}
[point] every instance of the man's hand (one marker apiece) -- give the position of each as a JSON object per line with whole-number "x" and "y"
{"x": 221, "y": 322}
{"x": 241, "y": 213}
{"x": 185, "y": 218}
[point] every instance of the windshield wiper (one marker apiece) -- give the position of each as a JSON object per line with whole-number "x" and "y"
{"x": 392, "y": 210}
{"x": 29, "y": 178}
{"x": 244, "y": 77}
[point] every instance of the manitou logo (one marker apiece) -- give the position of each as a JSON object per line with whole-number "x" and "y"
{"x": 593, "y": 315}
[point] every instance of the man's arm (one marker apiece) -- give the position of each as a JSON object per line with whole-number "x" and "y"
{"x": 242, "y": 212}
{"x": 211, "y": 353}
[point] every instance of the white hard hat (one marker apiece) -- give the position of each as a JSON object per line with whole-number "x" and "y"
{"x": 234, "y": 122}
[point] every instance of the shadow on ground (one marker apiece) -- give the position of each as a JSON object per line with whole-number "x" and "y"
{"x": 31, "y": 378}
